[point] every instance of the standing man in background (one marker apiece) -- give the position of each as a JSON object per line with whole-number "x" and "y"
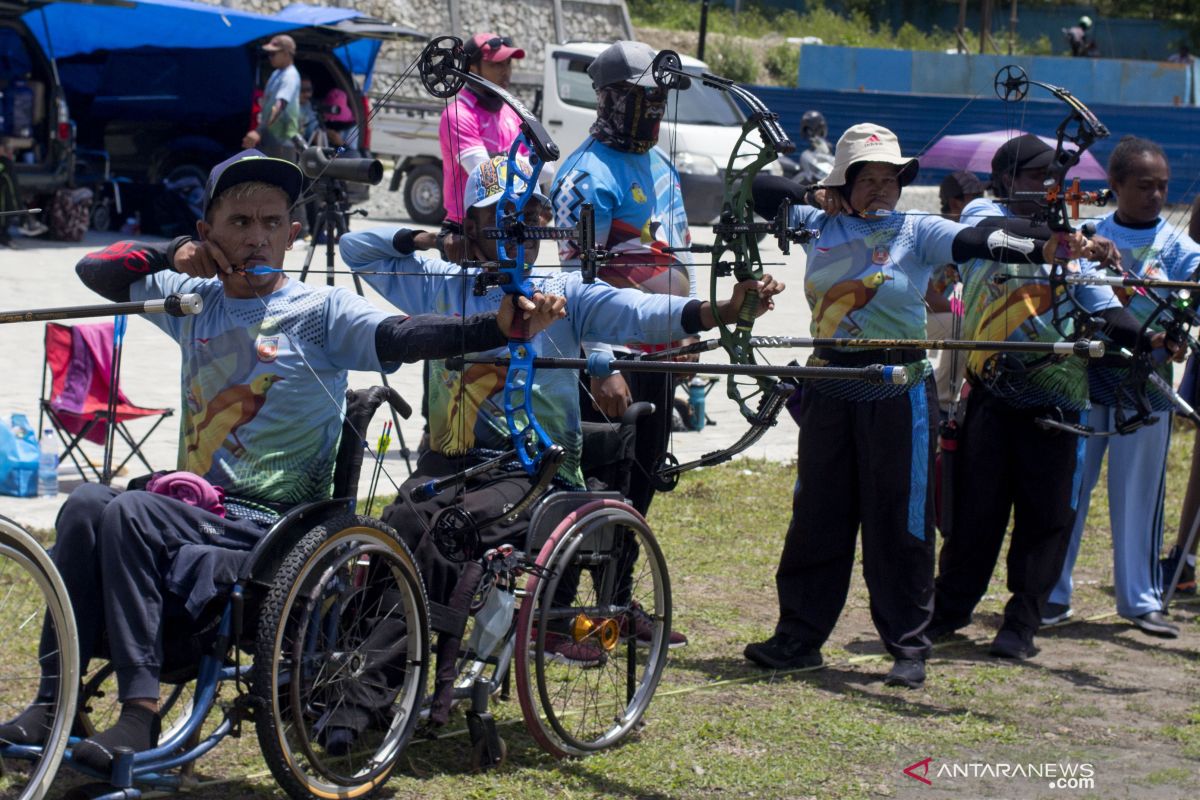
{"x": 279, "y": 119}
{"x": 475, "y": 127}
{"x": 639, "y": 213}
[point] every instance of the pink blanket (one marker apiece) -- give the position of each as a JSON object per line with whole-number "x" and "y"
{"x": 191, "y": 489}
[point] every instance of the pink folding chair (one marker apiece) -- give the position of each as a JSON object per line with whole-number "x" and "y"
{"x": 79, "y": 361}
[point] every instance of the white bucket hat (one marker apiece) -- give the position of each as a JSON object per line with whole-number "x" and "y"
{"x": 864, "y": 143}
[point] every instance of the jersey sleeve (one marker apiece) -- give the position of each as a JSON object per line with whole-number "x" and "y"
{"x": 935, "y": 239}
{"x": 350, "y": 331}
{"x": 159, "y": 285}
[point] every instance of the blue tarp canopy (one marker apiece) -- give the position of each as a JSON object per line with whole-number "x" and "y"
{"x": 68, "y": 29}
{"x": 358, "y": 56}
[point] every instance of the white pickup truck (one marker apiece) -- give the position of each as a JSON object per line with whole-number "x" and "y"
{"x": 701, "y": 126}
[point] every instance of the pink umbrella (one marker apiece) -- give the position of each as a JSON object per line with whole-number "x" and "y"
{"x": 974, "y": 151}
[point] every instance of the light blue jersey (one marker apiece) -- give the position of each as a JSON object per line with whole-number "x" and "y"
{"x": 466, "y": 412}
{"x": 1023, "y": 311}
{"x": 256, "y": 419}
{"x": 867, "y": 278}
{"x": 1160, "y": 252}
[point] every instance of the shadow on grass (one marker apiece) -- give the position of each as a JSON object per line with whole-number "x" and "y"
{"x": 1113, "y": 633}
{"x": 432, "y": 759}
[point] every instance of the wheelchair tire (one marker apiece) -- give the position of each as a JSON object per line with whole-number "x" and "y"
{"x": 346, "y": 581}
{"x": 572, "y": 709}
{"x": 32, "y": 590}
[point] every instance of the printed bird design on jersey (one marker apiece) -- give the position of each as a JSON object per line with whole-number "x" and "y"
{"x": 220, "y": 420}
{"x": 1007, "y": 311}
{"x": 842, "y": 299}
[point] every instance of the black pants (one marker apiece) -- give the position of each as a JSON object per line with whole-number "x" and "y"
{"x": 653, "y": 431}
{"x": 1007, "y": 464}
{"x": 867, "y": 464}
{"x": 449, "y": 585}
{"x": 118, "y": 554}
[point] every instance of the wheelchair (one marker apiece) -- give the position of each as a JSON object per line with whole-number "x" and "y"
{"x": 30, "y": 590}
{"x": 590, "y": 573}
{"x": 331, "y": 607}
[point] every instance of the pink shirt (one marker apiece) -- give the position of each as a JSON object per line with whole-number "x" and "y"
{"x": 477, "y": 134}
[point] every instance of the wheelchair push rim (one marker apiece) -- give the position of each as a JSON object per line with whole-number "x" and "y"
{"x": 316, "y": 656}
{"x": 30, "y": 590}
{"x": 574, "y": 709}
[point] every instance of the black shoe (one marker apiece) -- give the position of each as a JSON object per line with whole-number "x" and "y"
{"x": 1010, "y": 644}
{"x": 339, "y": 729}
{"x": 783, "y": 652}
{"x": 940, "y": 628}
{"x": 1187, "y": 576}
{"x": 31, "y": 727}
{"x": 137, "y": 728}
{"x": 906, "y": 672}
{"x": 1155, "y": 624}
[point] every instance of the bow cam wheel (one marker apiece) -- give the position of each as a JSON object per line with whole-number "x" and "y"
{"x": 441, "y": 64}
{"x": 1012, "y": 84}
{"x": 665, "y": 70}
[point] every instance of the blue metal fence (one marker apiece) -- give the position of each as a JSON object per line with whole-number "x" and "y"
{"x": 1101, "y": 80}
{"x": 920, "y": 119}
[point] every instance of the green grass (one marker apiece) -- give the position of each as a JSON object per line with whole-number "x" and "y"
{"x": 719, "y": 728}
{"x": 755, "y": 21}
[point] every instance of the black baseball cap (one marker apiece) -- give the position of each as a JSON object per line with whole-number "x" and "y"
{"x": 960, "y": 184}
{"x": 253, "y": 165}
{"x": 1022, "y": 152}
{"x": 623, "y": 62}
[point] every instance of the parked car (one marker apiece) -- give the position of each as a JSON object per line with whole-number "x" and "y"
{"x": 34, "y": 120}
{"x": 701, "y": 126}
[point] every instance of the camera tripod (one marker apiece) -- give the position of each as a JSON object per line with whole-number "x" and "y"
{"x": 332, "y": 220}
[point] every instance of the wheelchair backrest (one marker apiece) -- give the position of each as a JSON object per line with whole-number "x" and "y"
{"x": 361, "y": 405}
{"x": 552, "y": 510}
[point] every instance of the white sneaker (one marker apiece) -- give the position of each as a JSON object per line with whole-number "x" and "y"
{"x": 32, "y": 227}
{"x": 1054, "y": 613}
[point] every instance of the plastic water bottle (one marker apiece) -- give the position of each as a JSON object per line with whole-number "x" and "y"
{"x": 48, "y": 464}
{"x": 697, "y": 391}
{"x": 492, "y": 622}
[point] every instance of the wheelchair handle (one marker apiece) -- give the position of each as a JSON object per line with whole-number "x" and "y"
{"x": 394, "y": 400}
{"x": 636, "y": 411}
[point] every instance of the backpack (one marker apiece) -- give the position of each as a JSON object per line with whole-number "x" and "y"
{"x": 70, "y": 214}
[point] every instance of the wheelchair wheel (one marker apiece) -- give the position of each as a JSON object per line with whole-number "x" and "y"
{"x": 30, "y": 591}
{"x": 602, "y": 589}
{"x": 341, "y": 659}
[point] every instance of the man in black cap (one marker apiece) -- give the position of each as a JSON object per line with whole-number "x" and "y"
{"x": 276, "y": 349}
{"x": 635, "y": 193}
{"x": 1010, "y": 463}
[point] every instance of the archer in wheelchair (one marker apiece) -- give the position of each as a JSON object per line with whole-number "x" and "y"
{"x": 470, "y": 502}
{"x": 263, "y": 383}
